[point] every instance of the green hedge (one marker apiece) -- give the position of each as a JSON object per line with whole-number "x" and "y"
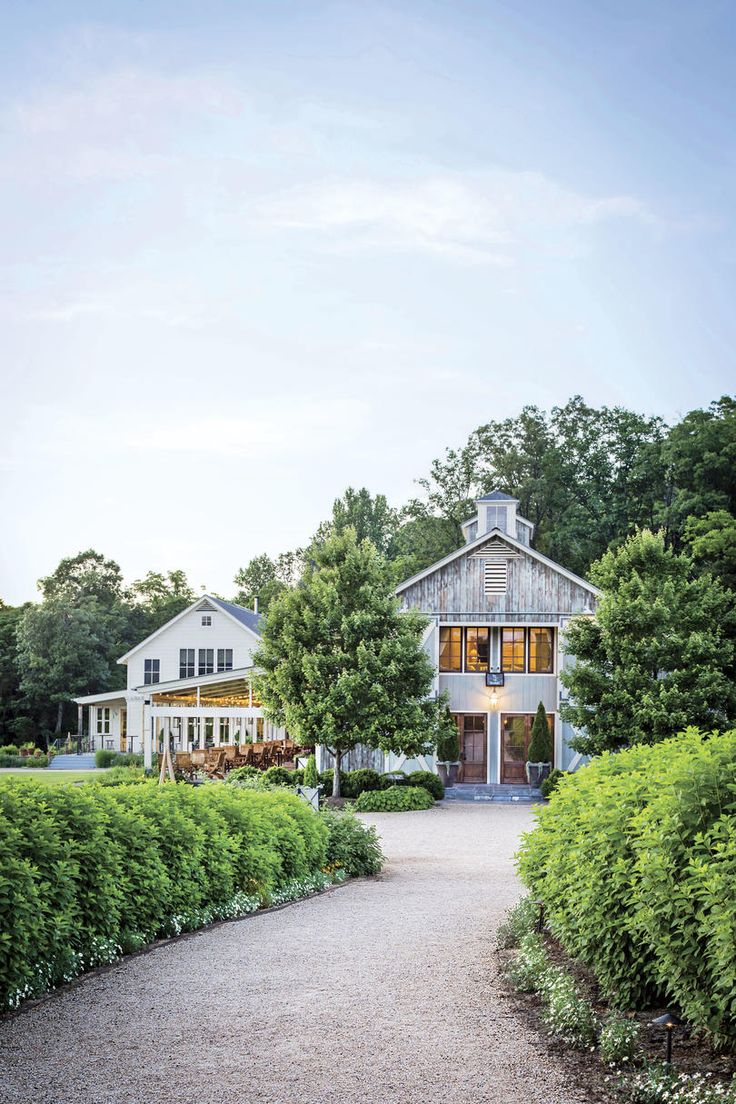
{"x": 89, "y": 872}
{"x": 635, "y": 860}
{"x": 351, "y": 846}
{"x": 431, "y": 782}
{"x": 107, "y": 758}
{"x": 397, "y": 799}
{"x": 23, "y": 761}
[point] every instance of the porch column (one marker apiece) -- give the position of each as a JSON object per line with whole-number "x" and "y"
{"x": 80, "y": 720}
{"x": 146, "y": 737}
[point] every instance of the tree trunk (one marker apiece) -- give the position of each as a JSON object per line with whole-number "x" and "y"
{"x": 59, "y": 717}
{"x": 336, "y": 774}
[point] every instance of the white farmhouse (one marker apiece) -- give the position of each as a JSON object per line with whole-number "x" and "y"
{"x": 189, "y": 681}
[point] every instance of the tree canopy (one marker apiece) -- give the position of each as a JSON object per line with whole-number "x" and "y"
{"x": 340, "y": 665}
{"x": 657, "y": 657}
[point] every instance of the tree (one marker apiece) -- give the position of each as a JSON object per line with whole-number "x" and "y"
{"x": 700, "y": 455}
{"x": 265, "y": 579}
{"x": 422, "y": 541}
{"x": 540, "y": 744}
{"x": 658, "y": 655}
{"x": 371, "y": 518}
{"x": 340, "y": 666}
{"x": 11, "y": 708}
{"x": 64, "y": 650}
{"x": 159, "y": 597}
{"x": 711, "y": 542}
{"x": 86, "y": 575}
{"x": 448, "y": 737}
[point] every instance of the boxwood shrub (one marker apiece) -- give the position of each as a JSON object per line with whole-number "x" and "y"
{"x": 430, "y": 781}
{"x": 396, "y": 799}
{"x": 351, "y": 845}
{"x": 89, "y": 872}
{"x": 635, "y": 859}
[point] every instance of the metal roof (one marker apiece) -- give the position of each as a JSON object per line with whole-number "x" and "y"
{"x": 247, "y": 617}
{"x": 496, "y": 496}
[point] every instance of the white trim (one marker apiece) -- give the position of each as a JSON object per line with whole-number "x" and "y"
{"x": 233, "y": 675}
{"x": 107, "y": 696}
{"x": 478, "y": 542}
{"x": 178, "y": 617}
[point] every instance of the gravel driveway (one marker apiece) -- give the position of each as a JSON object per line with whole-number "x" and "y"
{"x": 381, "y": 990}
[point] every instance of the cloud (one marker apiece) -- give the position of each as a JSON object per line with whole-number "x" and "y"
{"x": 480, "y": 216}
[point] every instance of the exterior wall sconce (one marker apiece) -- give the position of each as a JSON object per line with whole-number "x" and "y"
{"x": 669, "y": 1022}
{"x": 494, "y": 699}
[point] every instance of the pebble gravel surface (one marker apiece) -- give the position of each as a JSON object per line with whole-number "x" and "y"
{"x": 382, "y": 990}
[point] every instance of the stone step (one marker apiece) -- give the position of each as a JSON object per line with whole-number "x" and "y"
{"x": 73, "y": 762}
{"x": 496, "y": 792}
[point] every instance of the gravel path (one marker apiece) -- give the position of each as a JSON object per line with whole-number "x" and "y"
{"x": 377, "y": 991}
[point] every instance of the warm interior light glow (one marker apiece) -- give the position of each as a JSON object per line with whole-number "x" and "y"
{"x": 494, "y": 699}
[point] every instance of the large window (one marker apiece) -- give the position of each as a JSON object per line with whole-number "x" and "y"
{"x": 477, "y": 649}
{"x": 186, "y": 662}
{"x": 151, "y": 671}
{"x": 224, "y": 659}
{"x": 512, "y": 650}
{"x": 540, "y": 651}
{"x": 451, "y": 648}
{"x": 206, "y": 665}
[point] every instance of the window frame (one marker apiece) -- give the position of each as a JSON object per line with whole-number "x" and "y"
{"x": 478, "y": 668}
{"x": 205, "y": 666}
{"x": 151, "y": 671}
{"x": 450, "y": 630}
{"x": 226, "y": 663}
{"x": 515, "y": 629}
{"x": 104, "y": 720}
{"x": 207, "y": 620}
{"x": 187, "y": 662}
{"x": 537, "y": 670}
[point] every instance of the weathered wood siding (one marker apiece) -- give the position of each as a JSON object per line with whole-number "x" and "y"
{"x": 456, "y": 592}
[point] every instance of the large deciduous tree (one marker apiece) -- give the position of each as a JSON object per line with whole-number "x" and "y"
{"x": 657, "y": 656}
{"x": 158, "y": 597}
{"x": 340, "y": 666}
{"x": 265, "y": 578}
{"x": 371, "y": 518}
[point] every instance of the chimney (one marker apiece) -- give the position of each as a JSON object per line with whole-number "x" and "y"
{"x": 255, "y": 604}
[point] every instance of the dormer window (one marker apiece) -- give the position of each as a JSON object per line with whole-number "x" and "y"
{"x": 497, "y": 518}
{"x": 207, "y": 620}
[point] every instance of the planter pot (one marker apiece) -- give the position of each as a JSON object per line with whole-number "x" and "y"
{"x": 454, "y": 773}
{"x": 536, "y": 773}
{"x": 443, "y": 770}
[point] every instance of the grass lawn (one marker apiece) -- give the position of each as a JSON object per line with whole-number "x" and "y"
{"x": 52, "y": 777}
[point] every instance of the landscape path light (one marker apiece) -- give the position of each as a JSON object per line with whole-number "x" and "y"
{"x": 669, "y": 1022}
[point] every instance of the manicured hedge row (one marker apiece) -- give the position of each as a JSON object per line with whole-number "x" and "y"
{"x": 8, "y": 760}
{"x": 89, "y": 872}
{"x": 364, "y": 780}
{"x": 635, "y": 860}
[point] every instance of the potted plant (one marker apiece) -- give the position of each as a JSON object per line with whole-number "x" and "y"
{"x": 539, "y": 755}
{"x": 448, "y": 747}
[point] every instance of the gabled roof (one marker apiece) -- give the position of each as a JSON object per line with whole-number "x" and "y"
{"x": 478, "y": 543}
{"x": 496, "y": 496}
{"x": 244, "y": 617}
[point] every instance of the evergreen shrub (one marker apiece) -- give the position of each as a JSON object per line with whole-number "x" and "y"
{"x": 396, "y": 799}
{"x": 351, "y": 846}
{"x": 635, "y": 860}
{"x": 311, "y": 777}
{"x": 551, "y": 782}
{"x": 540, "y": 744}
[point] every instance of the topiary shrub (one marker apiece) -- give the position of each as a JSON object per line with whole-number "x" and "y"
{"x": 351, "y": 845}
{"x": 396, "y": 799}
{"x": 311, "y": 777}
{"x": 551, "y": 782}
{"x": 540, "y": 745}
{"x": 431, "y": 782}
{"x": 448, "y": 740}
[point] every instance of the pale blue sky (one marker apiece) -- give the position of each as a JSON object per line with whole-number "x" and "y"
{"x": 251, "y": 253}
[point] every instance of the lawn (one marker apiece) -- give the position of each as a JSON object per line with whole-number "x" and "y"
{"x": 51, "y": 777}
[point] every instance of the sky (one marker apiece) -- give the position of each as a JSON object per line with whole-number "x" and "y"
{"x": 253, "y": 253}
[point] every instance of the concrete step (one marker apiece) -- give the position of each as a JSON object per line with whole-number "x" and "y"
{"x": 73, "y": 762}
{"x": 498, "y": 793}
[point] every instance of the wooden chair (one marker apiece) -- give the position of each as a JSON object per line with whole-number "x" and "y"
{"x": 215, "y": 765}
{"x": 199, "y": 758}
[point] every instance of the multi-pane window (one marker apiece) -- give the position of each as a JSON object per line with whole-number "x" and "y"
{"x": 496, "y": 518}
{"x": 103, "y": 721}
{"x": 151, "y": 671}
{"x": 477, "y": 649}
{"x": 206, "y": 664}
{"x": 512, "y": 650}
{"x": 224, "y": 659}
{"x": 451, "y": 648}
{"x": 186, "y": 662}
{"x": 540, "y": 651}
{"x": 207, "y": 620}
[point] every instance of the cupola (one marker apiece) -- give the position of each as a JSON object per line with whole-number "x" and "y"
{"x": 497, "y": 510}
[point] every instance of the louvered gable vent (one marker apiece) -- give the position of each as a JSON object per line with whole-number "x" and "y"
{"x": 207, "y": 607}
{"x": 495, "y": 578}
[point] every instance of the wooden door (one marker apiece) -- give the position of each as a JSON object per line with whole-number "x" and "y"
{"x": 473, "y": 746}
{"x": 516, "y": 731}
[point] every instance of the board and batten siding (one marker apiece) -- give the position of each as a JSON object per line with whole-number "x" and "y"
{"x": 534, "y": 590}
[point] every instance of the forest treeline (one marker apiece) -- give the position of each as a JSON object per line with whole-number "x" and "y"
{"x": 587, "y": 477}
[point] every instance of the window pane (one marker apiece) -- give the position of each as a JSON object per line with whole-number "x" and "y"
{"x": 512, "y": 650}
{"x": 451, "y": 638}
{"x": 477, "y": 644}
{"x": 541, "y": 650}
